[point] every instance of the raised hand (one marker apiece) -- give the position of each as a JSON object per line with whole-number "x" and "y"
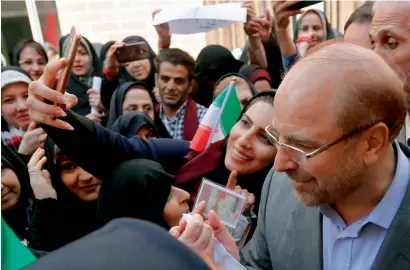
{"x": 176, "y": 231}
{"x": 111, "y": 63}
{"x": 251, "y": 27}
{"x": 282, "y": 14}
{"x": 40, "y": 180}
{"x": 164, "y": 36}
{"x": 222, "y": 234}
{"x": 94, "y": 99}
{"x": 33, "y": 138}
{"x": 198, "y": 236}
{"x": 43, "y": 89}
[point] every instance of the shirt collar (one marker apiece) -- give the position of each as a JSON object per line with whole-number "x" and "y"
{"x": 385, "y": 211}
{"x": 181, "y": 111}
{"x": 407, "y": 127}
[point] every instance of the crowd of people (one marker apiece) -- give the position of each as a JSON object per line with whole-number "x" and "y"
{"x": 319, "y": 150}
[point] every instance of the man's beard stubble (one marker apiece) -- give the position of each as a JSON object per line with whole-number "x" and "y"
{"x": 344, "y": 182}
{"x": 407, "y": 90}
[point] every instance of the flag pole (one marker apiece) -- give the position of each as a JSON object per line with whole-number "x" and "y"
{"x": 230, "y": 86}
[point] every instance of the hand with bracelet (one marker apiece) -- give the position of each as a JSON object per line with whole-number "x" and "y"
{"x": 111, "y": 64}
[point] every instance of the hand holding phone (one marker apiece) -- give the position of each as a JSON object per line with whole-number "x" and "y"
{"x": 303, "y": 4}
{"x": 132, "y": 52}
{"x": 69, "y": 53}
{"x": 282, "y": 14}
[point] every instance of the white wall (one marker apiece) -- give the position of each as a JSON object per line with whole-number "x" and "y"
{"x": 104, "y": 20}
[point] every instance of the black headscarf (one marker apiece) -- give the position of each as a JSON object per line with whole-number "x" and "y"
{"x": 139, "y": 188}
{"x": 252, "y": 88}
{"x": 72, "y": 218}
{"x": 212, "y": 62}
{"x": 130, "y": 123}
{"x": 150, "y": 80}
{"x": 76, "y": 85}
{"x": 118, "y": 97}
{"x": 18, "y": 217}
{"x": 125, "y": 244}
{"x": 104, "y": 50}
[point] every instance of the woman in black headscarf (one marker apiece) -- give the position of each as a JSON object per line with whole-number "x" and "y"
{"x": 135, "y": 123}
{"x": 141, "y": 188}
{"x": 136, "y": 188}
{"x": 141, "y": 70}
{"x": 86, "y": 65}
{"x": 104, "y": 50}
{"x": 69, "y": 214}
{"x": 244, "y": 88}
{"x": 258, "y": 76}
{"x": 16, "y": 193}
{"x": 135, "y": 96}
{"x": 212, "y": 62}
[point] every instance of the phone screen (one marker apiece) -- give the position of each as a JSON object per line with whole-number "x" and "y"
{"x": 132, "y": 52}
{"x": 303, "y": 4}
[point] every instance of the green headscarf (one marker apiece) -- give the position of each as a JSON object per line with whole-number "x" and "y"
{"x": 88, "y": 78}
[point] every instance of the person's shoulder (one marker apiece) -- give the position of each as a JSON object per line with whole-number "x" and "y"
{"x": 279, "y": 183}
{"x": 405, "y": 149}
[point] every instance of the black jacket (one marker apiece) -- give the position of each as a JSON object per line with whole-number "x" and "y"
{"x": 99, "y": 150}
{"x": 56, "y": 223}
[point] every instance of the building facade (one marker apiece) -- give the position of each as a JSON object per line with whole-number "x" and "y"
{"x": 104, "y": 20}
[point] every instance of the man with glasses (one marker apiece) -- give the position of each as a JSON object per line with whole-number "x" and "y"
{"x": 336, "y": 116}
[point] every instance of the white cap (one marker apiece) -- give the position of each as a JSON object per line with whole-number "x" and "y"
{"x": 13, "y": 76}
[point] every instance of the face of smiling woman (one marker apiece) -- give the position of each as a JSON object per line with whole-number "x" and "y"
{"x": 248, "y": 149}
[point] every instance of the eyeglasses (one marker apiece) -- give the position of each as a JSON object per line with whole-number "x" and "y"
{"x": 30, "y": 63}
{"x": 301, "y": 157}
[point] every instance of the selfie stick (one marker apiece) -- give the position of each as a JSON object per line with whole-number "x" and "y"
{"x": 97, "y": 81}
{"x": 230, "y": 86}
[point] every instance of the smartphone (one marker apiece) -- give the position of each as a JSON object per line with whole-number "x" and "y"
{"x": 132, "y": 52}
{"x": 69, "y": 53}
{"x": 302, "y": 4}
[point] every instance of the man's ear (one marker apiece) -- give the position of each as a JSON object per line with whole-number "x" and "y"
{"x": 192, "y": 86}
{"x": 375, "y": 141}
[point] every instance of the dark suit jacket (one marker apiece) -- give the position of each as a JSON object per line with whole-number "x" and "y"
{"x": 289, "y": 235}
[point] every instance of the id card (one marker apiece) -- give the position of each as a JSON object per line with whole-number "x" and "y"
{"x": 227, "y": 204}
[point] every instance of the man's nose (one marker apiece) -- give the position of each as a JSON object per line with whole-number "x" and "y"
{"x": 283, "y": 162}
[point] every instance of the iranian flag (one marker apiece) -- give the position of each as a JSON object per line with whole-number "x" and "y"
{"x": 14, "y": 255}
{"x": 218, "y": 120}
